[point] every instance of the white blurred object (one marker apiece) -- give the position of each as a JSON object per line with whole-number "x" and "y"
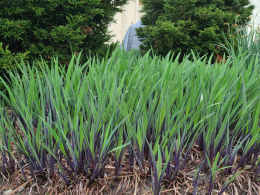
{"x": 256, "y": 13}
{"x": 8, "y": 192}
{"x": 130, "y": 15}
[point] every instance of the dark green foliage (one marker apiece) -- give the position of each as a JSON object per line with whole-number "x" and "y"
{"x": 185, "y": 25}
{"x": 50, "y": 27}
{"x": 8, "y": 61}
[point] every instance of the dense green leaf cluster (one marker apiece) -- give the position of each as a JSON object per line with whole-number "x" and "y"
{"x": 50, "y": 27}
{"x": 185, "y": 25}
{"x": 143, "y": 111}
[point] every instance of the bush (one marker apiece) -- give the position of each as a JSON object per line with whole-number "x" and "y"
{"x": 47, "y": 28}
{"x": 8, "y": 62}
{"x": 182, "y": 26}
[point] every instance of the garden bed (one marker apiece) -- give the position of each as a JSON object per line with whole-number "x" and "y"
{"x": 133, "y": 124}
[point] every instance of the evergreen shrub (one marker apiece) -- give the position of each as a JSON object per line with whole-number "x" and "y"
{"x": 185, "y": 25}
{"x": 47, "y": 28}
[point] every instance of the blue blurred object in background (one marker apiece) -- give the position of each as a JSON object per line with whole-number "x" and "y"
{"x": 131, "y": 40}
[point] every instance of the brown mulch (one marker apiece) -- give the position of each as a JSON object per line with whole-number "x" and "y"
{"x": 129, "y": 182}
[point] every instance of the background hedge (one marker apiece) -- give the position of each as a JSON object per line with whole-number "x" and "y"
{"x": 47, "y": 28}
{"x": 185, "y": 25}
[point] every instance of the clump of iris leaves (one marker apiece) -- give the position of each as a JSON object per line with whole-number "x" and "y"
{"x": 154, "y": 109}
